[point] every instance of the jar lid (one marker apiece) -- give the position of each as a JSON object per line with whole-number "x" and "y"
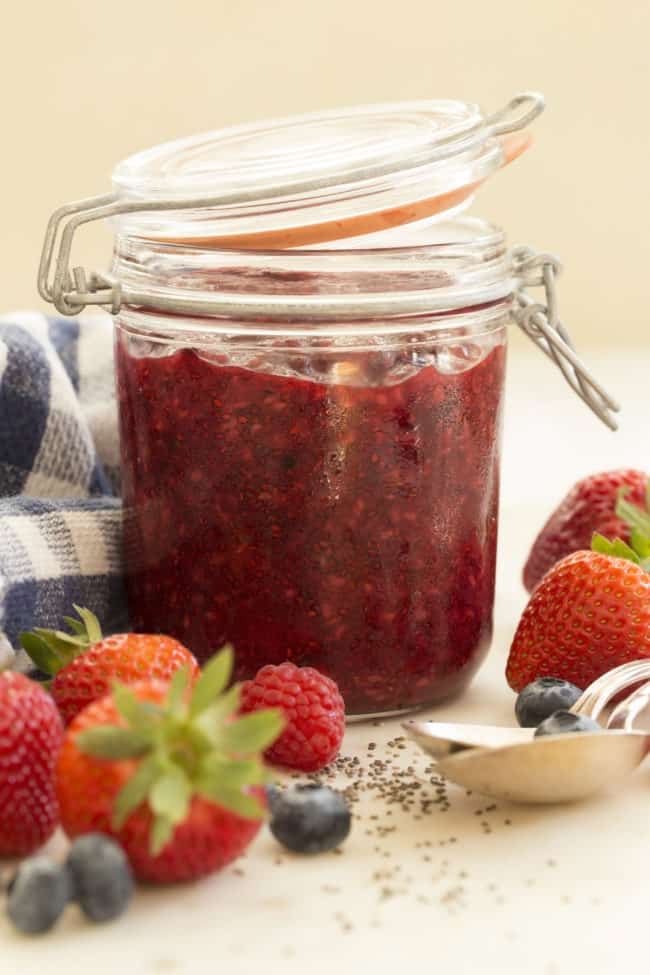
{"x": 314, "y": 178}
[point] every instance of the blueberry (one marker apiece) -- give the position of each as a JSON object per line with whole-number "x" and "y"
{"x": 38, "y": 675}
{"x": 37, "y": 895}
{"x": 101, "y": 877}
{"x": 542, "y": 698}
{"x": 565, "y": 722}
{"x": 308, "y": 818}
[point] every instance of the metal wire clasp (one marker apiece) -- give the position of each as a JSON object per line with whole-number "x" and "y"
{"x": 542, "y": 324}
{"x": 71, "y": 290}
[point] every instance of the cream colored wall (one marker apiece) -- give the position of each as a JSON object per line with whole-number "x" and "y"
{"x": 84, "y": 84}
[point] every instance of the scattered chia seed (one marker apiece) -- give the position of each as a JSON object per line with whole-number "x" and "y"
{"x": 386, "y": 796}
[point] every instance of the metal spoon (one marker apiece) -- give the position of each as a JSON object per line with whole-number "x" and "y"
{"x": 440, "y": 738}
{"x": 558, "y": 768}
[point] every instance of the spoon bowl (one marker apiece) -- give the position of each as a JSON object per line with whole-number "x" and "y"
{"x": 442, "y": 738}
{"x": 551, "y": 768}
{"x": 556, "y": 768}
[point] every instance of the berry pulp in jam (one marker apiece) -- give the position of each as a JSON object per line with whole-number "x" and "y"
{"x": 350, "y": 526}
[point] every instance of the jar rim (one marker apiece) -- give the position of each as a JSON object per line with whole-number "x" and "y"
{"x": 175, "y": 331}
{"x": 416, "y": 271}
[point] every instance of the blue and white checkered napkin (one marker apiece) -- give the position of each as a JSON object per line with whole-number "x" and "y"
{"x": 60, "y": 514}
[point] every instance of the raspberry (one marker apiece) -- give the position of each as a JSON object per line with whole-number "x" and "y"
{"x": 313, "y": 709}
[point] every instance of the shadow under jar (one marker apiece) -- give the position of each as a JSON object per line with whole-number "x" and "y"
{"x": 322, "y": 492}
{"x": 310, "y": 352}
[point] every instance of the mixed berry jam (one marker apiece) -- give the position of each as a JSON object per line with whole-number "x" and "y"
{"x": 317, "y": 514}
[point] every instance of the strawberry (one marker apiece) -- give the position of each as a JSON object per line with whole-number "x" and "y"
{"x": 590, "y": 613}
{"x": 31, "y": 733}
{"x": 589, "y": 507}
{"x": 169, "y": 773}
{"x": 84, "y": 663}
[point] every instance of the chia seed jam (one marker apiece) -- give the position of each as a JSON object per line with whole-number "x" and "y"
{"x": 348, "y": 524}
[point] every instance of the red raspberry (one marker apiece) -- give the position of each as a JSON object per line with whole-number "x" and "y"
{"x": 313, "y": 708}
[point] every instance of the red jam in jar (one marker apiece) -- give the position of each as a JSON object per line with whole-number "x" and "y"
{"x": 345, "y": 526}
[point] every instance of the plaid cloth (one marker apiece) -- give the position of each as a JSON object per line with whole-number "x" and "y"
{"x": 60, "y": 514}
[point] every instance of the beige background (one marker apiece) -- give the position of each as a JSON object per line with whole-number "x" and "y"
{"x": 86, "y": 83}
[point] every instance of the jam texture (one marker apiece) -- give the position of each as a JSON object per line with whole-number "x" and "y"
{"x": 330, "y": 519}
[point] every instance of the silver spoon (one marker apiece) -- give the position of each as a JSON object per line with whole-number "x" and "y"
{"x": 441, "y": 738}
{"x": 557, "y": 768}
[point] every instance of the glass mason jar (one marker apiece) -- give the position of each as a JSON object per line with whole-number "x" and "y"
{"x": 310, "y": 356}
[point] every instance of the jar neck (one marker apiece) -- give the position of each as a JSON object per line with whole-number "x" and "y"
{"x": 451, "y": 268}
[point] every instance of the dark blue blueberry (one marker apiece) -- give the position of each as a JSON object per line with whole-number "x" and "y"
{"x": 101, "y": 877}
{"x": 308, "y": 818}
{"x": 38, "y": 675}
{"x": 542, "y": 698}
{"x": 565, "y": 722}
{"x": 37, "y": 895}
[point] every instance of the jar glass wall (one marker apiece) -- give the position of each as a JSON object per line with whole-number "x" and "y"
{"x": 326, "y": 493}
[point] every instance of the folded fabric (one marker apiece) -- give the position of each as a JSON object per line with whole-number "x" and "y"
{"x": 60, "y": 514}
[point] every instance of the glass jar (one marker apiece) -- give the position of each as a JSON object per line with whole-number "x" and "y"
{"x": 310, "y": 367}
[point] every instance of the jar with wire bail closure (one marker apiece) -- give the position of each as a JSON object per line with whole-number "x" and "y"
{"x": 310, "y": 353}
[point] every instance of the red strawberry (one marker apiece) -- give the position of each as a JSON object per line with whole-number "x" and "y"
{"x": 171, "y": 775}
{"x": 31, "y": 733}
{"x": 589, "y": 507}
{"x": 85, "y": 664}
{"x": 590, "y": 613}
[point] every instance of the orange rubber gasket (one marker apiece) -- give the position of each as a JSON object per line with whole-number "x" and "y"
{"x": 357, "y": 226}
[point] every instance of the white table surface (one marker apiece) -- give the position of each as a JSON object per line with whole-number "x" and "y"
{"x": 460, "y": 889}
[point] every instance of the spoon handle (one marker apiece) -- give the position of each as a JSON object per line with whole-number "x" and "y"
{"x": 605, "y": 688}
{"x": 624, "y": 715}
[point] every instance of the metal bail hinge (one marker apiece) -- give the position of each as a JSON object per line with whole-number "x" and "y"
{"x": 542, "y": 324}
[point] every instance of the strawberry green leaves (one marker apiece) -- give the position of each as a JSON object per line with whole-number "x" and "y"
{"x": 40, "y": 653}
{"x": 169, "y": 798}
{"x": 191, "y": 744}
{"x": 252, "y": 733}
{"x": 638, "y": 551}
{"x": 638, "y": 521}
{"x": 135, "y": 792}
{"x": 137, "y": 714}
{"x": 113, "y": 743}
{"x": 214, "y": 678}
{"x": 174, "y": 705}
{"x": 88, "y": 627}
{"x": 235, "y": 800}
{"x": 51, "y": 650}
